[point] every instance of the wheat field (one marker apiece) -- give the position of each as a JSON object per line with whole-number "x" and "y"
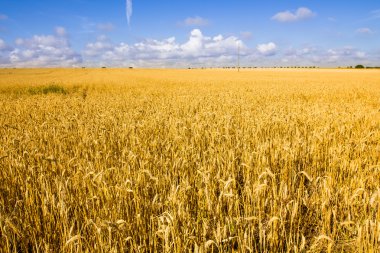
{"x": 130, "y": 160}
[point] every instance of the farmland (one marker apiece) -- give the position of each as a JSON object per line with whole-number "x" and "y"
{"x": 132, "y": 160}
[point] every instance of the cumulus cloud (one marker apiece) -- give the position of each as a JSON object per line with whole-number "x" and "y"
{"x": 293, "y": 54}
{"x": 42, "y": 51}
{"x": 268, "y": 49}
{"x": 195, "y": 21}
{"x": 333, "y": 57}
{"x": 296, "y": 55}
{"x": 101, "y": 45}
{"x": 197, "y": 50}
{"x": 364, "y": 30}
{"x": 288, "y": 16}
{"x": 344, "y": 55}
{"x": 3, "y": 17}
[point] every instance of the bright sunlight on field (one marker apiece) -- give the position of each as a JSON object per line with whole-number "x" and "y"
{"x": 117, "y": 160}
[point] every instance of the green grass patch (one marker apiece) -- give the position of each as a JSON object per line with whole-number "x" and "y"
{"x": 52, "y": 88}
{"x": 45, "y": 89}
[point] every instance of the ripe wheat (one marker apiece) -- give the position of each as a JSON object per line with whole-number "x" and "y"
{"x": 114, "y": 160}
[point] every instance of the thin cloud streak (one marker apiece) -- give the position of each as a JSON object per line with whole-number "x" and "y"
{"x": 129, "y": 10}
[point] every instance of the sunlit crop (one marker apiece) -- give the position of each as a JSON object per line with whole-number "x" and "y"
{"x": 115, "y": 160}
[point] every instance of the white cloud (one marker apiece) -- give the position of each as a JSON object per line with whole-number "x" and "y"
{"x": 3, "y": 17}
{"x": 364, "y": 30}
{"x": 268, "y": 49}
{"x": 288, "y": 16}
{"x": 195, "y": 44}
{"x": 346, "y": 55}
{"x": 43, "y": 51}
{"x": 197, "y": 50}
{"x": 129, "y": 10}
{"x": 106, "y": 27}
{"x": 296, "y": 53}
{"x": 333, "y": 57}
{"x": 101, "y": 45}
{"x": 195, "y": 21}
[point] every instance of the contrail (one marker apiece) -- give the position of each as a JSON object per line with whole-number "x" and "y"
{"x": 129, "y": 11}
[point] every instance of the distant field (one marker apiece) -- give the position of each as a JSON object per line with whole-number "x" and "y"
{"x": 119, "y": 160}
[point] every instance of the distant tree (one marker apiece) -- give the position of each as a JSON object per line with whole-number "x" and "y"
{"x": 359, "y": 66}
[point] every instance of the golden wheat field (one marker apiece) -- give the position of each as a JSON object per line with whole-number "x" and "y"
{"x": 130, "y": 160}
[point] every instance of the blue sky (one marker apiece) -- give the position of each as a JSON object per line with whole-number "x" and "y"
{"x": 72, "y": 33}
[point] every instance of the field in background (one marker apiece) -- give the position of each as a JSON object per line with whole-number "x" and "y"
{"x": 113, "y": 160}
